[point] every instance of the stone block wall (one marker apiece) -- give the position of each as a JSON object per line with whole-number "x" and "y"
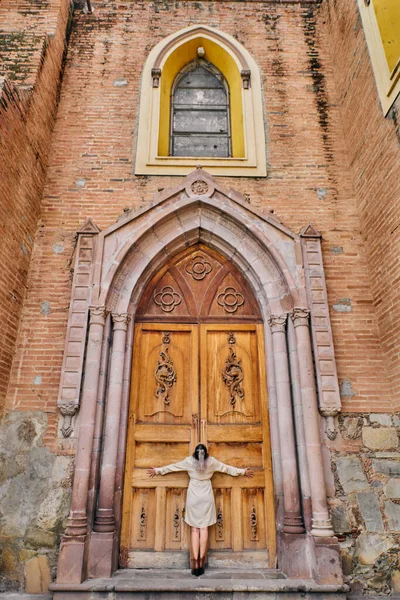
{"x": 315, "y": 174}
{"x": 365, "y": 461}
{"x": 32, "y": 44}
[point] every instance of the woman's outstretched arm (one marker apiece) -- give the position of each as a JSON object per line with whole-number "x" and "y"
{"x": 223, "y": 468}
{"x": 179, "y": 466}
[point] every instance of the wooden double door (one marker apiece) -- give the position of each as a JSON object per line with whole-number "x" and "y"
{"x": 196, "y": 383}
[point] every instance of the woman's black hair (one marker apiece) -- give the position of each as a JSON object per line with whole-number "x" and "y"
{"x": 196, "y": 451}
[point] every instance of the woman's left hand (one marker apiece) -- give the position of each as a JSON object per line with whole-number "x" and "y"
{"x": 249, "y": 473}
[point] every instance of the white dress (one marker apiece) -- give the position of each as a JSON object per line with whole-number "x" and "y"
{"x": 200, "y": 503}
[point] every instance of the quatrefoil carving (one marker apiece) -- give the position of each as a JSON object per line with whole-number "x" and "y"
{"x": 199, "y": 267}
{"x": 167, "y": 298}
{"x": 230, "y": 299}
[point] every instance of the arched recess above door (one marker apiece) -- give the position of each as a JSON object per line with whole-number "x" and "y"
{"x": 195, "y": 286}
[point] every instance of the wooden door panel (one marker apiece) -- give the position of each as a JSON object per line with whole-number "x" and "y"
{"x": 253, "y": 518}
{"x": 234, "y": 454}
{"x": 175, "y": 538}
{"x": 142, "y": 531}
{"x": 233, "y": 433}
{"x": 221, "y": 532}
{"x": 150, "y": 433}
{"x": 230, "y": 374}
{"x": 157, "y": 454}
{"x": 167, "y": 363}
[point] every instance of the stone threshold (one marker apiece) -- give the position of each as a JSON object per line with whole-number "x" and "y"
{"x": 214, "y": 581}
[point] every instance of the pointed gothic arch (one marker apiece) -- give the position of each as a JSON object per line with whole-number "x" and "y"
{"x": 273, "y": 260}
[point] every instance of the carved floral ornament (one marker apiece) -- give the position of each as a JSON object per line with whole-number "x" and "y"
{"x": 167, "y": 298}
{"x": 230, "y": 299}
{"x": 164, "y": 373}
{"x": 199, "y": 187}
{"x": 232, "y": 373}
{"x": 198, "y": 267}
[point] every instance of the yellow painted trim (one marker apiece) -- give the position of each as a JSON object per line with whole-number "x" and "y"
{"x": 248, "y": 137}
{"x": 384, "y": 56}
{"x": 224, "y": 62}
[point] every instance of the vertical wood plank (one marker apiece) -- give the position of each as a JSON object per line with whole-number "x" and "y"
{"x": 160, "y": 520}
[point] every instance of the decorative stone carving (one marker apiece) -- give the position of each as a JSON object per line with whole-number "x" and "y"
{"x": 278, "y": 323}
{"x": 230, "y": 299}
{"x": 199, "y": 267}
{"x": 164, "y": 373}
{"x": 300, "y": 317}
{"x": 68, "y": 410}
{"x": 232, "y": 373}
{"x": 156, "y": 75}
{"x": 246, "y": 75}
{"x": 199, "y": 187}
{"x": 167, "y": 298}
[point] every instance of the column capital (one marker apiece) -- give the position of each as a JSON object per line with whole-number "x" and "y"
{"x": 300, "y": 317}
{"x": 278, "y": 323}
{"x": 97, "y": 314}
{"x": 120, "y": 321}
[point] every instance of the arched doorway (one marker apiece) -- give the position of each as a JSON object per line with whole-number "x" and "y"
{"x": 198, "y": 375}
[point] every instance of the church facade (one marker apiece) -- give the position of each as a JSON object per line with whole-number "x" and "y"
{"x": 200, "y": 209}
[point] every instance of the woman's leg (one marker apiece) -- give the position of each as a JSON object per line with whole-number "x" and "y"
{"x": 203, "y": 546}
{"x": 195, "y": 536}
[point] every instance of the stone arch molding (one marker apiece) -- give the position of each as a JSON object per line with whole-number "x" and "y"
{"x": 112, "y": 268}
{"x": 241, "y": 72}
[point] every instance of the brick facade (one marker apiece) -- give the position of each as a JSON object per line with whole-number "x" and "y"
{"x": 333, "y": 160}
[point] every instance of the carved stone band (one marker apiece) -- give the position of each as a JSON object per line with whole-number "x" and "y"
{"x": 300, "y": 317}
{"x": 278, "y": 323}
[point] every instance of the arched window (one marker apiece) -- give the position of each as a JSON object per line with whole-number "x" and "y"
{"x": 200, "y": 122}
{"x": 201, "y": 103}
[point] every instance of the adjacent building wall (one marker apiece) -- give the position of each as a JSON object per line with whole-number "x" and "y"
{"x": 365, "y": 456}
{"x": 32, "y": 43}
{"x": 373, "y": 143}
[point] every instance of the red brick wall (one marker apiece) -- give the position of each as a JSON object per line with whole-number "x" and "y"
{"x": 372, "y": 143}
{"x": 90, "y": 174}
{"x": 32, "y": 40}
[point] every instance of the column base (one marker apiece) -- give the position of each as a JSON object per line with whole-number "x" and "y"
{"x": 322, "y": 529}
{"x": 293, "y": 523}
{"x": 71, "y": 560}
{"x": 100, "y": 562}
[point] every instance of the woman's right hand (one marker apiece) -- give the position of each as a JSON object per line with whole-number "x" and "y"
{"x": 151, "y": 472}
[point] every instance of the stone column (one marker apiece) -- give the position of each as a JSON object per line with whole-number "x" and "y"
{"x": 70, "y": 566}
{"x": 321, "y": 524}
{"x": 292, "y": 521}
{"x": 102, "y": 541}
{"x": 104, "y": 520}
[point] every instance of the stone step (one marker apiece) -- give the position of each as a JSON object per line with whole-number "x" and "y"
{"x": 215, "y": 584}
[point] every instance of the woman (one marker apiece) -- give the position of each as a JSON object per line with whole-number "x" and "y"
{"x": 200, "y": 504}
